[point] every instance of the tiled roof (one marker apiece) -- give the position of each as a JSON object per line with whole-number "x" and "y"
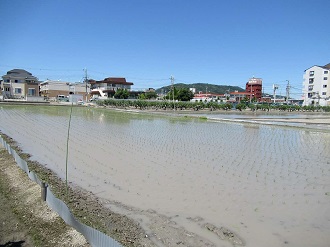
{"x": 327, "y": 66}
{"x": 240, "y": 93}
{"x": 19, "y": 73}
{"x": 113, "y": 80}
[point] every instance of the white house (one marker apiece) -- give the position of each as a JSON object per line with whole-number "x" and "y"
{"x": 316, "y": 85}
{"x": 108, "y": 87}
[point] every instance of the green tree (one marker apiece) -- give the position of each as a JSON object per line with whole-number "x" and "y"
{"x": 142, "y": 96}
{"x": 184, "y": 94}
{"x": 169, "y": 95}
{"x": 245, "y": 100}
{"x": 151, "y": 95}
{"x": 241, "y": 106}
{"x": 121, "y": 94}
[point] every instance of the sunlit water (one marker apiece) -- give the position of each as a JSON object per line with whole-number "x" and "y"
{"x": 269, "y": 184}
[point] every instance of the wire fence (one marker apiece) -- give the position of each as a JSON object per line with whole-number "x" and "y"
{"x": 93, "y": 236}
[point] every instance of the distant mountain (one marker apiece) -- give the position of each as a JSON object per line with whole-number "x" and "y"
{"x": 202, "y": 87}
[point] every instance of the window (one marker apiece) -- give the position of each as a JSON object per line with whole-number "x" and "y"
{"x": 325, "y": 86}
{"x": 18, "y": 90}
{"x": 311, "y": 80}
{"x": 326, "y": 72}
{"x": 324, "y": 93}
{"x": 311, "y": 73}
{"x": 310, "y": 88}
{"x": 32, "y": 92}
{"x": 16, "y": 81}
{"x": 7, "y": 80}
{"x": 310, "y": 95}
{"x": 325, "y": 78}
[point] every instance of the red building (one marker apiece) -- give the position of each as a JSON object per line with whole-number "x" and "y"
{"x": 254, "y": 88}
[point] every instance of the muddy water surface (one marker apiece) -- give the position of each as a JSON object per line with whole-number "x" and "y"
{"x": 268, "y": 184}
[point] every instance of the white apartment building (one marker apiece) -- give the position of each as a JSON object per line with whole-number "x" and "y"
{"x": 316, "y": 85}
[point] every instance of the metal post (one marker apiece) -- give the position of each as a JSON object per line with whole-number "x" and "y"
{"x": 43, "y": 191}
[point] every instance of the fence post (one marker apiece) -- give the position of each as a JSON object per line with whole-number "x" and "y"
{"x": 43, "y": 191}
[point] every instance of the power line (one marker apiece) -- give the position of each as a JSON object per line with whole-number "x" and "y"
{"x": 45, "y": 69}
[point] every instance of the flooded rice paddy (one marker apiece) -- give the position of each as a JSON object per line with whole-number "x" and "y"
{"x": 269, "y": 184}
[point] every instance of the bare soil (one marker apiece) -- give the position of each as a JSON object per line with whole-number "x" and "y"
{"x": 25, "y": 219}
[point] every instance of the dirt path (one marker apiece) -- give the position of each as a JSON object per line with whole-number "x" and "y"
{"x": 26, "y": 220}
{"x": 12, "y": 230}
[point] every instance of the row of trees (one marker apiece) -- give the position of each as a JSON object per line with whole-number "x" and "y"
{"x": 212, "y": 106}
{"x": 164, "y": 104}
{"x": 289, "y": 108}
{"x": 179, "y": 94}
{"x": 182, "y": 96}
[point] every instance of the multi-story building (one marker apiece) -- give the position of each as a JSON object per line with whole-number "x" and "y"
{"x": 108, "y": 87}
{"x": 18, "y": 84}
{"x": 316, "y": 85}
{"x": 254, "y": 88}
{"x": 51, "y": 89}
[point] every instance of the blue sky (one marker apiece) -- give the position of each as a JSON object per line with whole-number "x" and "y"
{"x": 147, "y": 41}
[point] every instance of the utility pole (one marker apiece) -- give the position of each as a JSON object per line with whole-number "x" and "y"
{"x": 86, "y": 81}
{"x": 287, "y": 92}
{"x": 172, "y": 86}
{"x": 275, "y": 87}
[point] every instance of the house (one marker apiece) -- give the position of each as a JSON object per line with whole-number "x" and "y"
{"x": 108, "y": 87}
{"x": 51, "y": 89}
{"x": 19, "y": 84}
{"x": 316, "y": 85}
{"x": 254, "y": 88}
{"x": 208, "y": 97}
{"x": 239, "y": 96}
{"x": 266, "y": 99}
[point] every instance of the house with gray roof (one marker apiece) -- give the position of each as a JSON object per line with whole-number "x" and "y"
{"x": 19, "y": 84}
